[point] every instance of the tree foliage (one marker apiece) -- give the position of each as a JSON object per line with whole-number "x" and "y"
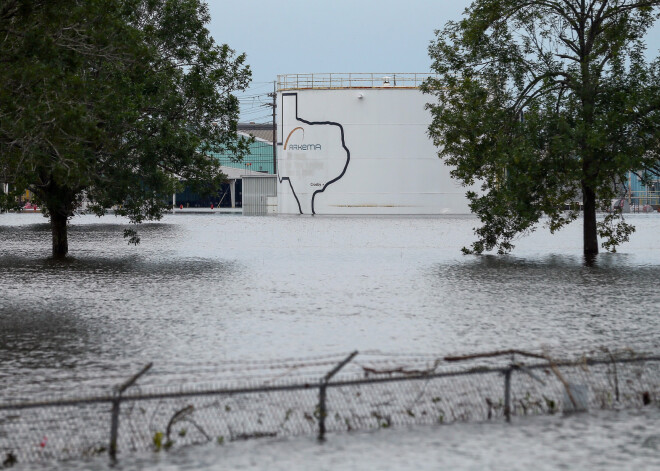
{"x": 544, "y": 103}
{"x": 115, "y": 101}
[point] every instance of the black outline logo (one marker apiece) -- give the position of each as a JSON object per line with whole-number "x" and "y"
{"x": 314, "y": 123}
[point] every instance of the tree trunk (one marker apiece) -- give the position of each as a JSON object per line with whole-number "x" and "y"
{"x": 590, "y": 231}
{"x": 58, "y": 227}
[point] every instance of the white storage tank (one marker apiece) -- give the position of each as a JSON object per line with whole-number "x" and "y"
{"x": 358, "y": 144}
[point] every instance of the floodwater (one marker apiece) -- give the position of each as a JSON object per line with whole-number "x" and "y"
{"x": 607, "y": 440}
{"x": 205, "y": 288}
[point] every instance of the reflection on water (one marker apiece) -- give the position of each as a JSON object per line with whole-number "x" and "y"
{"x": 555, "y": 301}
{"x": 199, "y": 289}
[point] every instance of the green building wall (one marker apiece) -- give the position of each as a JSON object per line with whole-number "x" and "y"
{"x": 260, "y": 158}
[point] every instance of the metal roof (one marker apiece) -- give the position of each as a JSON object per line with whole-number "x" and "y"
{"x": 237, "y": 173}
{"x": 260, "y": 131}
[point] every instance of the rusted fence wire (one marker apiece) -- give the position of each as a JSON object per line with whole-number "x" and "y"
{"x": 153, "y": 411}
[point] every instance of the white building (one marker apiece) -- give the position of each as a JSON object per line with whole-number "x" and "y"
{"x": 358, "y": 144}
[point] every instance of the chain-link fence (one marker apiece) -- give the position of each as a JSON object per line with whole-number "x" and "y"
{"x": 156, "y": 410}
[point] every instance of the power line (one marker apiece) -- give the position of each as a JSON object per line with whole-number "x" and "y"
{"x": 253, "y": 112}
{"x": 256, "y": 95}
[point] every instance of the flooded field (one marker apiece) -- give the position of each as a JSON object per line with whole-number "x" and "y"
{"x": 605, "y": 441}
{"x": 203, "y": 288}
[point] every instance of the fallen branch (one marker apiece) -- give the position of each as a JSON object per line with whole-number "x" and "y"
{"x": 494, "y": 354}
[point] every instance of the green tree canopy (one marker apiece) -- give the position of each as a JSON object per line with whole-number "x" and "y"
{"x": 115, "y": 101}
{"x": 542, "y": 103}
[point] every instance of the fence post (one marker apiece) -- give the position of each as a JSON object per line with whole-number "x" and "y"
{"x": 322, "y": 410}
{"x": 116, "y": 403}
{"x": 114, "y": 426}
{"x": 507, "y": 393}
{"x": 322, "y": 392}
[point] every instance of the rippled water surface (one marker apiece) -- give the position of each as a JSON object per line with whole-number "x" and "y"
{"x": 202, "y": 288}
{"x": 611, "y": 440}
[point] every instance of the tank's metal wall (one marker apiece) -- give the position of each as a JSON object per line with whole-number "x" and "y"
{"x": 385, "y": 164}
{"x": 257, "y": 189}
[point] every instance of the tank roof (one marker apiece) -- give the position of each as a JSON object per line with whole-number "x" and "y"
{"x": 331, "y": 81}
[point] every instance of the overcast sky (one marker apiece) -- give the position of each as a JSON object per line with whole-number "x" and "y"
{"x": 304, "y": 36}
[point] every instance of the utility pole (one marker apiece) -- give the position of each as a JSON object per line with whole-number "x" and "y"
{"x": 274, "y": 105}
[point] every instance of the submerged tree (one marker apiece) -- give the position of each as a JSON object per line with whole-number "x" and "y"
{"x": 543, "y": 103}
{"x": 114, "y": 101}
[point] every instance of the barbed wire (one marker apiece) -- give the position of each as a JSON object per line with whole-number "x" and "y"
{"x": 270, "y": 398}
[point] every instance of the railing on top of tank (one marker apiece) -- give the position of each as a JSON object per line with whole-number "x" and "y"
{"x": 351, "y": 80}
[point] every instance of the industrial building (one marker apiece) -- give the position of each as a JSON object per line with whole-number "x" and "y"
{"x": 259, "y": 161}
{"x": 358, "y": 144}
{"x": 640, "y": 195}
